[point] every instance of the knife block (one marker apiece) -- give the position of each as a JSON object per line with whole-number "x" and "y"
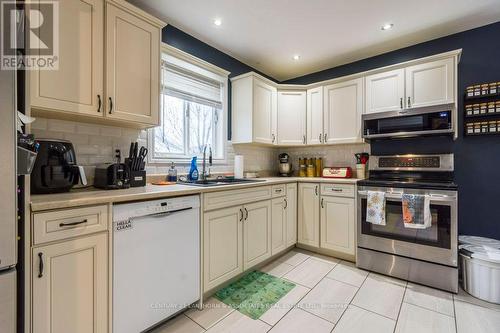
{"x": 137, "y": 177}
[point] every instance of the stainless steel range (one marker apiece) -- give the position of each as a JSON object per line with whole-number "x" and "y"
{"x": 426, "y": 256}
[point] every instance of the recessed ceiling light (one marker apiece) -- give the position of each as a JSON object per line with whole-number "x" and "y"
{"x": 217, "y": 22}
{"x": 296, "y": 57}
{"x": 387, "y": 26}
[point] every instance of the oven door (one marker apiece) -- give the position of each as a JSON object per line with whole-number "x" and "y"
{"x": 437, "y": 243}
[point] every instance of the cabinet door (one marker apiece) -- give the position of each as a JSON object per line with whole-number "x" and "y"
{"x": 256, "y": 233}
{"x": 337, "y": 224}
{"x": 315, "y": 116}
{"x": 291, "y": 214}
{"x": 430, "y": 83}
{"x": 132, "y": 67}
{"x": 77, "y": 85}
{"x": 278, "y": 225}
{"x": 308, "y": 224}
{"x": 264, "y": 112}
{"x": 343, "y": 106}
{"x": 385, "y": 91}
{"x": 291, "y": 117}
{"x": 223, "y": 245}
{"x": 70, "y": 286}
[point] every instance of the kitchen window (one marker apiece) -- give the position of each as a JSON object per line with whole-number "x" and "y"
{"x": 193, "y": 109}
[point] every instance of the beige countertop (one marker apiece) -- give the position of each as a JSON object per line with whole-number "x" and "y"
{"x": 93, "y": 196}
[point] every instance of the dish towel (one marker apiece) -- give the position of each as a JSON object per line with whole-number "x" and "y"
{"x": 416, "y": 211}
{"x": 375, "y": 207}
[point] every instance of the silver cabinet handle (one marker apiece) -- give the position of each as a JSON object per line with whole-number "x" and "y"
{"x": 401, "y": 102}
{"x": 409, "y": 101}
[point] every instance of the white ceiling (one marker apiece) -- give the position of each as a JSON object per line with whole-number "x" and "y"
{"x": 265, "y": 34}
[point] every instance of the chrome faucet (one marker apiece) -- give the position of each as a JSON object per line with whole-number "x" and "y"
{"x": 204, "y": 173}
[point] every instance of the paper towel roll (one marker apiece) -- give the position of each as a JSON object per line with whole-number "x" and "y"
{"x": 238, "y": 166}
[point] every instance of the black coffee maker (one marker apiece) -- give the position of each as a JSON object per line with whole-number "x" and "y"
{"x": 55, "y": 169}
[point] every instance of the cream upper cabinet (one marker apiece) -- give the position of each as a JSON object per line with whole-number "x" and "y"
{"x": 70, "y": 286}
{"x": 308, "y": 210}
{"x": 338, "y": 224}
{"x": 291, "y": 214}
{"x": 257, "y": 233}
{"x": 314, "y": 116}
{"x": 385, "y": 91}
{"x": 342, "y": 109}
{"x": 291, "y": 117}
{"x": 132, "y": 67}
{"x": 254, "y": 110}
{"x": 223, "y": 245}
{"x": 278, "y": 226}
{"x": 430, "y": 83}
{"x": 77, "y": 86}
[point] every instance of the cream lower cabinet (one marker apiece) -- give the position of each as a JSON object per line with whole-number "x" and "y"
{"x": 338, "y": 224}
{"x": 308, "y": 211}
{"x": 256, "y": 233}
{"x": 70, "y": 286}
{"x": 279, "y": 225}
{"x": 291, "y": 214}
{"x": 223, "y": 245}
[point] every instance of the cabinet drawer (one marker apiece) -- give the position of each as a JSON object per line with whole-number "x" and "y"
{"x": 216, "y": 200}
{"x": 62, "y": 224}
{"x": 279, "y": 190}
{"x": 338, "y": 190}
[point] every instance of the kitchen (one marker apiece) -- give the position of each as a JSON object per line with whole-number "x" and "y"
{"x": 253, "y": 164}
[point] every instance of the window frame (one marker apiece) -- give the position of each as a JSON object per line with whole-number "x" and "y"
{"x": 201, "y": 67}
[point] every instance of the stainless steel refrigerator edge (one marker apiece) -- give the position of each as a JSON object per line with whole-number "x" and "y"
{"x": 8, "y": 202}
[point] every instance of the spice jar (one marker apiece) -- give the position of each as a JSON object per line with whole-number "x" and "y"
{"x": 483, "y": 108}
{"x": 470, "y": 91}
{"x": 477, "y": 128}
{"x": 470, "y": 128}
{"x": 485, "y": 89}
{"x": 477, "y": 90}
{"x": 491, "y": 107}
{"x": 468, "y": 109}
{"x": 484, "y": 127}
{"x": 493, "y": 126}
{"x": 319, "y": 167}
{"x": 475, "y": 108}
{"x": 493, "y": 88}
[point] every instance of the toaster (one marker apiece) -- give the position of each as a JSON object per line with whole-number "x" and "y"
{"x": 112, "y": 176}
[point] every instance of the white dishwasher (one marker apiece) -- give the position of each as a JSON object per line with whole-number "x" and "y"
{"x": 156, "y": 261}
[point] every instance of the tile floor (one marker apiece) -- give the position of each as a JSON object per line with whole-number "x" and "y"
{"x": 334, "y": 296}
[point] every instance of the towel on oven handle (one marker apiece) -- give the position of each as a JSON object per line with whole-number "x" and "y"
{"x": 375, "y": 207}
{"x": 416, "y": 211}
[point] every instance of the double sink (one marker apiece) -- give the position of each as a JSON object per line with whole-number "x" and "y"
{"x": 220, "y": 181}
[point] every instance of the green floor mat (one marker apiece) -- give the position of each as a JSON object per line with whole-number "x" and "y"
{"x": 254, "y": 293}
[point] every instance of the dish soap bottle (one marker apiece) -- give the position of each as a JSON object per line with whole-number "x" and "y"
{"x": 193, "y": 172}
{"x": 172, "y": 173}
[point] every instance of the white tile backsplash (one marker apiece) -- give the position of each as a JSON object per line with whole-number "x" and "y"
{"x": 95, "y": 144}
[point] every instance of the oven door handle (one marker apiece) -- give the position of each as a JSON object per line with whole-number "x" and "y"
{"x": 398, "y": 196}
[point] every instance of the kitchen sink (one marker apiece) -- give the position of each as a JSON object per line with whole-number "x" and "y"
{"x": 221, "y": 181}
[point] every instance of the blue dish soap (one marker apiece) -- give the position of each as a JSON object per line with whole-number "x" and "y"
{"x": 193, "y": 172}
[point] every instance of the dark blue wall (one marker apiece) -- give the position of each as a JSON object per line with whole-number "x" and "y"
{"x": 477, "y": 159}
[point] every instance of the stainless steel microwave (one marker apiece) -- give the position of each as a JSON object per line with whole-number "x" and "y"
{"x": 436, "y": 120}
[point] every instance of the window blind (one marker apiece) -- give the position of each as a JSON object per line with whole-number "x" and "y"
{"x": 182, "y": 83}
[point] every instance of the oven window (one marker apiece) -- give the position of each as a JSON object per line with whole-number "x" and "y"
{"x": 437, "y": 235}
